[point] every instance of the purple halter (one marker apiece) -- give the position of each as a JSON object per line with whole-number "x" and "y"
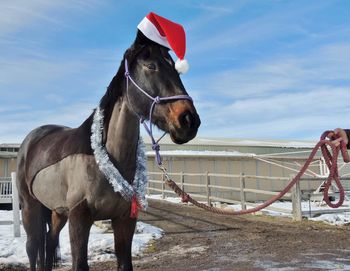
{"x": 155, "y": 100}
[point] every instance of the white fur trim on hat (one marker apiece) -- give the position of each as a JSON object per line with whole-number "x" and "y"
{"x": 182, "y": 66}
{"x": 151, "y": 32}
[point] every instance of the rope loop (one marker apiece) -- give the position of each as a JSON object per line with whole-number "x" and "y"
{"x": 157, "y": 99}
{"x": 156, "y": 147}
{"x": 185, "y": 198}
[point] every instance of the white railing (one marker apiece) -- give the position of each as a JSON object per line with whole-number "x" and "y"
{"x": 158, "y": 185}
{"x": 9, "y": 194}
{"x": 5, "y": 190}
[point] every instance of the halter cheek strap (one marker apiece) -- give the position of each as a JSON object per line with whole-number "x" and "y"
{"x": 155, "y": 100}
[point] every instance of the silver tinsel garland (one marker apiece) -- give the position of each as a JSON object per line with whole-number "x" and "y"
{"x": 112, "y": 174}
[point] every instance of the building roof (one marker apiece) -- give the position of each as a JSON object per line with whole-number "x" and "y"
{"x": 222, "y": 142}
{"x": 10, "y": 145}
{"x": 202, "y": 146}
{"x": 241, "y": 142}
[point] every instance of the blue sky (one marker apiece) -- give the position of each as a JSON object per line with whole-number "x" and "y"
{"x": 259, "y": 69}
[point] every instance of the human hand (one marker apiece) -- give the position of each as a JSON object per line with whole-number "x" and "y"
{"x": 337, "y": 136}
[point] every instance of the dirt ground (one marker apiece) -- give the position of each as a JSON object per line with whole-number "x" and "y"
{"x": 197, "y": 240}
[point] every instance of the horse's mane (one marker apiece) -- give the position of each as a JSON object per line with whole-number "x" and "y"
{"x": 114, "y": 92}
{"x": 116, "y": 87}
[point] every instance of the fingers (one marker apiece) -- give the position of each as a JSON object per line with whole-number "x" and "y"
{"x": 331, "y": 135}
{"x": 339, "y": 131}
{"x": 337, "y": 136}
{"x": 337, "y": 141}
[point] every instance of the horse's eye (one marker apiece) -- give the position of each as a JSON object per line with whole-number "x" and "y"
{"x": 151, "y": 66}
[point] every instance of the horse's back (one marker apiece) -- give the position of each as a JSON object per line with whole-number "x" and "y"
{"x": 49, "y": 144}
{"x": 35, "y": 136}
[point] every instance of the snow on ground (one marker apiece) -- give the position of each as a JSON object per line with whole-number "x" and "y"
{"x": 341, "y": 218}
{"x": 101, "y": 243}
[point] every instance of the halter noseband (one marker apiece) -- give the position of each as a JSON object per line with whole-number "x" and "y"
{"x": 155, "y": 100}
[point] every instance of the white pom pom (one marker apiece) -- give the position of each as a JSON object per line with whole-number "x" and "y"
{"x": 182, "y": 66}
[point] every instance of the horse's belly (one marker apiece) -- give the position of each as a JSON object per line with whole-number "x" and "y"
{"x": 64, "y": 184}
{"x": 50, "y": 188}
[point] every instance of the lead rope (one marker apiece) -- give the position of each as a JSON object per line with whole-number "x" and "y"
{"x": 331, "y": 161}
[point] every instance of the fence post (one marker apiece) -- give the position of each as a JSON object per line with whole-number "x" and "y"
{"x": 182, "y": 180}
{"x": 148, "y": 186}
{"x": 242, "y": 193}
{"x": 208, "y": 188}
{"x": 15, "y": 207}
{"x": 163, "y": 185}
{"x": 296, "y": 201}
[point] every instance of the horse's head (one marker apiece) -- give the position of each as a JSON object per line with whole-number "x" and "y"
{"x": 153, "y": 69}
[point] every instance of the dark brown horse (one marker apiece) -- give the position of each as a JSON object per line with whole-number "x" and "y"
{"x": 59, "y": 178}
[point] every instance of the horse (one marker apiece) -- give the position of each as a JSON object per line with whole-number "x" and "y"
{"x": 59, "y": 179}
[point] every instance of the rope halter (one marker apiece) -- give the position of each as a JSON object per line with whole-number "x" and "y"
{"x": 155, "y": 100}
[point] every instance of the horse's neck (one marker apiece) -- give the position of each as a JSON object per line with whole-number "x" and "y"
{"x": 122, "y": 139}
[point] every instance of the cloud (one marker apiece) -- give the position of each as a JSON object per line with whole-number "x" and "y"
{"x": 324, "y": 66}
{"x": 280, "y": 97}
{"x": 270, "y": 69}
{"x": 258, "y": 26}
{"x": 31, "y": 65}
{"x": 55, "y": 78}
{"x": 51, "y": 87}
{"x": 43, "y": 83}
{"x": 19, "y": 14}
{"x": 16, "y": 125}
{"x": 293, "y": 127}
{"x": 298, "y": 115}
{"x": 208, "y": 13}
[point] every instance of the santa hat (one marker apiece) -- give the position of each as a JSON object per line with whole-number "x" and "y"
{"x": 168, "y": 34}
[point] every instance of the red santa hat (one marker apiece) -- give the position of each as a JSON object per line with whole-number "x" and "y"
{"x": 168, "y": 34}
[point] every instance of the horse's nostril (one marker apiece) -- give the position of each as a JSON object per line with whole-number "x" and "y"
{"x": 186, "y": 119}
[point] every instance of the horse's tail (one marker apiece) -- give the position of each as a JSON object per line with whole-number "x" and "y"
{"x": 47, "y": 223}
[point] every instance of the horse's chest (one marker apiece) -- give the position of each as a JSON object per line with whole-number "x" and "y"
{"x": 75, "y": 178}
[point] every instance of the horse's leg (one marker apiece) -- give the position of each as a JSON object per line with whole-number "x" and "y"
{"x": 80, "y": 222}
{"x": 33, "y": 223}
{"x": 123, "y": 233}
{"x": 57, "y": 223}
{"x": 41, "y": 254}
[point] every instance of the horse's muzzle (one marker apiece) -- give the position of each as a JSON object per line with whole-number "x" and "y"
{"x": 184, "y": 122}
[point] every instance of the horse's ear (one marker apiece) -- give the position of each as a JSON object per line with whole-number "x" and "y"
{"x": 141, "y": 39}
{"x": 140, "y": 42}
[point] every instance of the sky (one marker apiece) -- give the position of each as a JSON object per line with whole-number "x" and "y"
{"x": 269, "y": 69}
